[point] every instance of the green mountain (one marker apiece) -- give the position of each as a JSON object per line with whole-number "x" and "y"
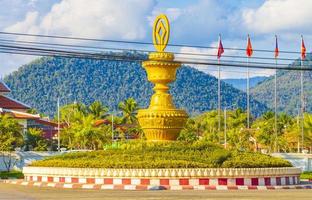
{"x": 41, "y": 82}
{"x": 288, "y": 89}
{"x": 240, "y": 83}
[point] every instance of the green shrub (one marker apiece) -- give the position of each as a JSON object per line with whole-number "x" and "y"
{"x": 142, "y": 154}
{"x": 253, "y": 160}
{"x": 306, "y": 175}
{"x": 11, "y": 174}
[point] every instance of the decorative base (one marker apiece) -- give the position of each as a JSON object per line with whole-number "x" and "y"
{"x": 171, "y": 179}
{"x": 160, "y": 125}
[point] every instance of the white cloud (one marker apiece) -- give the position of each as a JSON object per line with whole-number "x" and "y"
{"x": 200, "y": 23}
{"x": 99, "y": 19}
{"x": 196, "y": 23}
{"x": 28, "y": 25}
{"x": 106, "y": 19}
{"x": 279, "y": 15}
{"x": 11, "y": 61}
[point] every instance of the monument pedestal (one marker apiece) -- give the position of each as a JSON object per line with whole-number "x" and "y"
{"x": 161, "y": 121}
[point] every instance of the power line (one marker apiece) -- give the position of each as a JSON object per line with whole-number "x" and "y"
{"x": 39, "y": 44}
{"x": 62, "y": 53}
{"x": 135, "y": 42}
{"x": 36, "y": 48}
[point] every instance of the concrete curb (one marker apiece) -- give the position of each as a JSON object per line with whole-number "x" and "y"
{"x": 149, "y": 187}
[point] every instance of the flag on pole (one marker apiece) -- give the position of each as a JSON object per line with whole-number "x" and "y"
{"x": 276, "y": 52}
{"x": 303, "y": 49}
{"x": 220, "y": 48}
{"x": 249, "y": 50}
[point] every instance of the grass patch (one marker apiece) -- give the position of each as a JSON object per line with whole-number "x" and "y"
{"x": 11, "y": 174}
{"x": 306, "y": 175}
{"x": 163, "y": 155}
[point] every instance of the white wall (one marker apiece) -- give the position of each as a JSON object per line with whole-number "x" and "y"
{"x": 26, "y": 158}
{"x": 304, "y": 161}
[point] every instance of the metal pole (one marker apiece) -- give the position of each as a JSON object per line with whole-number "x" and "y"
{"x": 275, "y": 105}
{"x": 248, "y": 109}
{"x": 112, "y": 127}
{"x": 58, "y": 126}
{"x": 219, "y": 97}
{"x": 298, "y": 126}
{"x": 302, "y": 107}
{"x": 225, "y": 139}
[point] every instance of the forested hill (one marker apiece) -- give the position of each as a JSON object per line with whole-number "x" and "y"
{"x": 39, "y": 83}
{"x": 240, "y": 83}
{"x": 288, "y": 89}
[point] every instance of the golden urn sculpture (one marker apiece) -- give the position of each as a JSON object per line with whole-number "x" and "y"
{"x": 161, "y": 121}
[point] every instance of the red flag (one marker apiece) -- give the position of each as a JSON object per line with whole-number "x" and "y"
{"x": 303, "y": 49}
{"x": 220, "y": 48}
{"x": 249, "y": 50}
{"x": 276, "y": 48}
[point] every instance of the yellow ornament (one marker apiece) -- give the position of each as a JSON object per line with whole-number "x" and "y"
{"x": 161, "y": 32}
{"x": 161, "y": 121}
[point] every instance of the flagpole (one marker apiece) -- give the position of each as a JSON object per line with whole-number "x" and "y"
{"x": 219, "y": 89}
{"x": 302, "y": 106}
{"x": 275, "y": 95}
{"x": 220, "y": 52}
{"x": 248, "y": 53}
{"x": 275, "y": 104}
{"x": 248, "y": 111}
{"x": 302, "y": 98}
{"x": 219, "y": 96}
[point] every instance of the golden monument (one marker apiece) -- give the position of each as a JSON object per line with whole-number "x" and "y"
{"x": 161, "y": 121}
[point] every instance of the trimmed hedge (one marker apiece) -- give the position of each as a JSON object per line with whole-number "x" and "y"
{"x": 163, "y": 155}
{"x": 306, "y": 175}
{"x": 11, "y": 174}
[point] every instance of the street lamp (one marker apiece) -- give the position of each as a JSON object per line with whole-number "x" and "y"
{"x": 112, "y": 113}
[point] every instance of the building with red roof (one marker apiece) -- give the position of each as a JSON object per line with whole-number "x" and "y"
{"x": 4, "y": 88}
{"x": 18, "y": 110}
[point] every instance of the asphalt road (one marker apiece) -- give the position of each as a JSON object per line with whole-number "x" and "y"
{"x": 16, "y": 192}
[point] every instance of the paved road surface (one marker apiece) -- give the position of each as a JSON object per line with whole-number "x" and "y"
{"x": 15, "y": 192}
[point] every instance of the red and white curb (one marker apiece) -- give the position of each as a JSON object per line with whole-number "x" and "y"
{"x": 252, "y": 181}
{"x": 150, "y": 187}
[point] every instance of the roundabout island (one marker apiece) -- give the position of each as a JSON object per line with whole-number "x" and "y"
{"x": 164, "y": 165}
{"x": 160, "y": 162}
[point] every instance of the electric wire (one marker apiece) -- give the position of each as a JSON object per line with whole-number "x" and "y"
{"x": 50, "y": 52}
{"x": 139, "y": 50}
{"x": 36, "y": 48}
{"x": 136, "y": 42}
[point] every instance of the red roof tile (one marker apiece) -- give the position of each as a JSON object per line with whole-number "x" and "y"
{"x": 48, "y": 123}
{"x": 4, "y": 87}
{"x": 8, "y": 103}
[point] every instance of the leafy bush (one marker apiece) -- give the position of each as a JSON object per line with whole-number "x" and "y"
{"x": 306, "y": 175}
{"x": 11, "y": 174}
{"x": 162, "y": 155}
{"x": 251, "y": 160}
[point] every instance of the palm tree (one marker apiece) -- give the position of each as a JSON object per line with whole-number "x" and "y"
{"x": 129, "y": 108}
{"x": 98, "y": 110}
{"x": 10, "y": 138}
{"x": 308, "y": 130}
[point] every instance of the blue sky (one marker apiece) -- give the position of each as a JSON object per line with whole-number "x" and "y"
{"x": 195, "y": 22}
